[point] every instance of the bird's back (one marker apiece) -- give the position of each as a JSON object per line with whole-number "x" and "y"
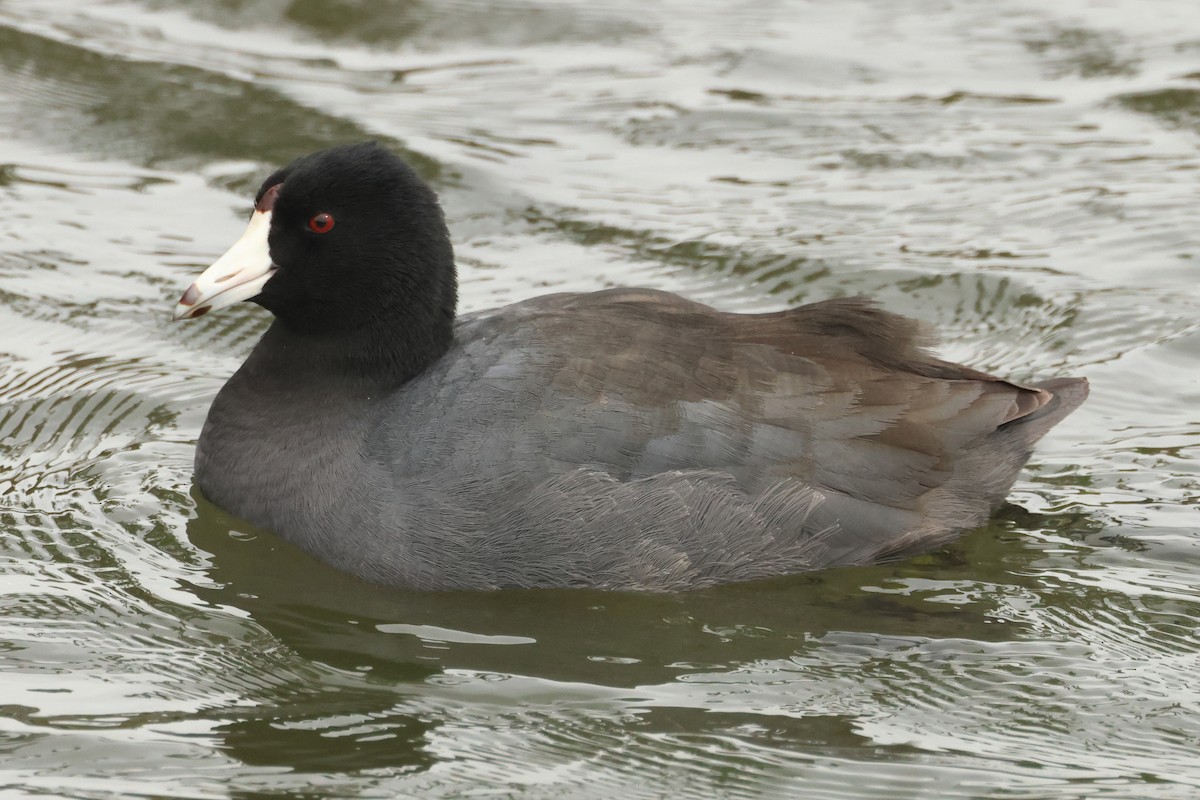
{"x": 634, "y": 439}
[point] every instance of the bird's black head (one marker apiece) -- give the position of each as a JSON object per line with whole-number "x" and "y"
{"x": 357, "y": 238}
{"x": 342, "y": 240}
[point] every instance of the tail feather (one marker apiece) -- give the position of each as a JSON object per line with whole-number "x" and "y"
{"x": 986, "y": 474}
{"x": 1065, "y": 395}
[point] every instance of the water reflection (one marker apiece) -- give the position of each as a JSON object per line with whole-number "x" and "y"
{"x": 926, "y": 634}
{"x": 601, "y": 638}
{"x": 337, "y": 734}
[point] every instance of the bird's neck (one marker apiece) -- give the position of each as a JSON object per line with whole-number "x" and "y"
{"x": 377, "y": 357}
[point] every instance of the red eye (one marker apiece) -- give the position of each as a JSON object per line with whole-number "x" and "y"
{"x": 321, "y": 223}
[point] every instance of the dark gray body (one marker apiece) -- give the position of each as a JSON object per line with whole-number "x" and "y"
{"x": 627, "y": 439}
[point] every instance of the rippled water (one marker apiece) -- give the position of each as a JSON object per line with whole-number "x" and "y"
{"x": 1023, "y": 174}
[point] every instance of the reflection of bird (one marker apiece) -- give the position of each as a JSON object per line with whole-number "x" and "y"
{"x": 621, "y": 439}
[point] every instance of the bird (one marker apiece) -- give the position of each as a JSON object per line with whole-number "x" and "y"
{"x": 627, "y": 439}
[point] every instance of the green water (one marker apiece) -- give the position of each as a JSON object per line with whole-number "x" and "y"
{"x": 1024, "y": 175}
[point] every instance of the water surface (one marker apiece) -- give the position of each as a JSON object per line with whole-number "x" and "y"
{"x": 1022, "y": 174}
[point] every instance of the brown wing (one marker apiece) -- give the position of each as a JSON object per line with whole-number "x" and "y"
{"x": 839, "y": 393}
{"x": 821, "y": 435}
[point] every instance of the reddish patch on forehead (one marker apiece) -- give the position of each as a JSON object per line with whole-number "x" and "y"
{"x": 267, "y": 201}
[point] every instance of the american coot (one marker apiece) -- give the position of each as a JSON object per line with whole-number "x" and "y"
{"x": 623, "y": 439}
